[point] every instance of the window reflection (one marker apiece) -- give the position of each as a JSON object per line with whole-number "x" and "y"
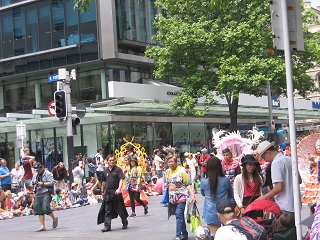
{"x": 44, "y": 25}
{"x": 58, "y": 39}
{"x": 15, "y": 97}
{"x": 31, "y": 29}
{"x": 19, "y": 31}
{"x": 7, "y": 34}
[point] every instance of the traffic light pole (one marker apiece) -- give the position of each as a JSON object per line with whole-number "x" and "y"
{"x": 70, "y": 142}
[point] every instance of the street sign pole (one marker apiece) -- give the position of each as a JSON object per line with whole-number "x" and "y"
{"x": 63, "y": 74}
{"x": 292, "y": 125}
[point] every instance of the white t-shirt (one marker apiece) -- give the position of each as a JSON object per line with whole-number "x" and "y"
{"x": 281, "y": 171}
{"x": 229, "y": 232}
{"x": 99, "y": 158}
{"x": 157, "y": 161}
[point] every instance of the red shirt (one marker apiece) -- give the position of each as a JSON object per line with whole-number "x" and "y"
{"x": 250, "y": 189}
{"x": 27, "y": 170}
{"x": 203, "y": 161}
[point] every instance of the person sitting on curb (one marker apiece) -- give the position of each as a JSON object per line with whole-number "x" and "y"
{"x": 225, "y": 209}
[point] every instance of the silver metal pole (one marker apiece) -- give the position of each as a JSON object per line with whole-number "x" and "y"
{"x": 292, "y": 125}
{"x": 271, "y": 130}
{"x": 70, "y": 143}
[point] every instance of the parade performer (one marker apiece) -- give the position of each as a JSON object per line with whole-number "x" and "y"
{"x": 312, "y": 192}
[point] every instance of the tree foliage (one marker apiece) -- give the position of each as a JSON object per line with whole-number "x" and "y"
{"x": 82, "y": 5}
{"x": 216, "y": 45}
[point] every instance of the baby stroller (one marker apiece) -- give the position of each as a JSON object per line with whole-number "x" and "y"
{"x": 276, "y": 228}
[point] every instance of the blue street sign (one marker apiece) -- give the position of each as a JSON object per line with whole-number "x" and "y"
{"x": 53, "y": 78}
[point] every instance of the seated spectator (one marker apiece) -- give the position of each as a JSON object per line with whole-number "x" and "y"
{"x": 9, "y": 200}
{"x": 158, "y": 186}
{"x": 65, "y": 201}
{"x": 28, "y": 203}
{"x": 4, "y": 212}
{"x": 76, "y": 195}
{"x": 30, "y": 189}
{"x": 57, "y": 198}
{"x": 150, "y": 185}
{"x": 17, "y": 209}
{"x": 90, "y": 195}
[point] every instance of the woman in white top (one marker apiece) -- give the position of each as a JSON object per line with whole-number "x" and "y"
{"x": 247, "y": 186}
{"x": 78, "y": 172}
{"x": 16, "y": 176}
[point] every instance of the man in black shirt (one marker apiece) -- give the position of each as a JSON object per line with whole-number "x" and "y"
{"x": 113, "y": 204}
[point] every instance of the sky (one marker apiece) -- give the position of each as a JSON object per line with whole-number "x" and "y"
{"x": 315, "y": 3}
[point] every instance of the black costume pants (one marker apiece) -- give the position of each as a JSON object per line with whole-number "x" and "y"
{"x": 110, "y": 206}
{"x": 135, "y": 196}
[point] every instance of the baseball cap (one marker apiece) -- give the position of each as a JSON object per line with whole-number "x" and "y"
{"x": 37, "y": 165}
{"x": 225, "y": 206}
{"x": 203, "y": 150}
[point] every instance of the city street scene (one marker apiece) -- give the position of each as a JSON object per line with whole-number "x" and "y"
{"x": 160, "y": 119}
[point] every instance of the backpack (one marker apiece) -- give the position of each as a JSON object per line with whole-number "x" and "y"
{"x": 251, "y": 229}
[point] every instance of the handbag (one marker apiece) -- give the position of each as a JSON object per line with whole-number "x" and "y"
{"x": 165, "y": 198}
{"x": 237, "y": 210}
{"x": 195, "y": 220}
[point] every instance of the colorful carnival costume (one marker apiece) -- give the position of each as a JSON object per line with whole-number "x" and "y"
{"x": 312, "y": 186}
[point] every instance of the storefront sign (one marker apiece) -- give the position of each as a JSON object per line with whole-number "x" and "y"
{"x": 316, "y": 105}
{"x": 275, "y": 101}
{"x": 173, "y": 93}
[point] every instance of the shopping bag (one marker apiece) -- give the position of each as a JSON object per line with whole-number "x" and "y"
{"x": 195, "y": 222}
{"x": 165, "y": 198}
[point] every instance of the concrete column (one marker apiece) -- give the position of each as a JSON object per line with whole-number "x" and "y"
{"x": 37, "y": 92}
{"x": 1, "y": 98}
{"x": 104, "y": 89}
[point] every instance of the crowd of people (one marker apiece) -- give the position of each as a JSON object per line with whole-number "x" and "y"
{"x": 265, "y": 173}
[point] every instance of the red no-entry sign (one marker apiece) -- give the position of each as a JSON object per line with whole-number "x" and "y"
{"x": 52, "y": 108}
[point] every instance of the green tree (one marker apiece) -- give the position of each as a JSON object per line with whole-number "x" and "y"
{"x": 216, "y": 45}
{"x": 82, "y": 5}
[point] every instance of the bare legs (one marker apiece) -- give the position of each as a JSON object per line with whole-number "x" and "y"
{"x": 42, "y": 218}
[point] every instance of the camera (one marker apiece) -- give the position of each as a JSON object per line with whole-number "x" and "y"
{"x": 34, "y": 183}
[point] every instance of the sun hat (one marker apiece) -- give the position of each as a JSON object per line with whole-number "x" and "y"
{"x": 73, "y": 184}
{"x": 249, "y": 158}
{"x": 225, "y": 206}
{"x": 264, "y": 146}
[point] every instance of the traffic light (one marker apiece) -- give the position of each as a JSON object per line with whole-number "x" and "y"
{"x": 60, "y": 102}
{"x": 75, "y": 122}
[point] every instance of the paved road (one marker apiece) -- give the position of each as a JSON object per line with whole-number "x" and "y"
{"x": 80, "y": 223}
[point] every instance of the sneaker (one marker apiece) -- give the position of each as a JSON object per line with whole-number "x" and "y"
{"x": 133, "y": 215}
{"x": 146, "y": 210}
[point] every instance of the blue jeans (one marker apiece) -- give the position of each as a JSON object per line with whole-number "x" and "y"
{"x": 181, "y": 229}
{"x": 159, "y": 173}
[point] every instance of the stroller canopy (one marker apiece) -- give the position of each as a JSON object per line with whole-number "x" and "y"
{"x": 264, "y": 205}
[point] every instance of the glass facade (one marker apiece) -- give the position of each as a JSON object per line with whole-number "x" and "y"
{"x": 135, "y": 23}
{"x": 42, "y": 26}
{"x": 45, "y": 25}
